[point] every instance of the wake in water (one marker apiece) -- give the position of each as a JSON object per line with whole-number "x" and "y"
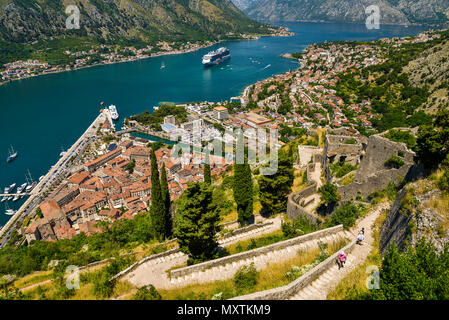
{"x": 267, "y": 66}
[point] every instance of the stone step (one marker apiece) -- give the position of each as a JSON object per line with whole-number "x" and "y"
{"x": 314, "y": 290}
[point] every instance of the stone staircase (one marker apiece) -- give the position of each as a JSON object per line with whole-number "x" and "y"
{"x": 316, "y": 290}
{"x": 226, "y": 271}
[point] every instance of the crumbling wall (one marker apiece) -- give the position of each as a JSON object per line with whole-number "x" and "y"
{"x": 372, "y": 174}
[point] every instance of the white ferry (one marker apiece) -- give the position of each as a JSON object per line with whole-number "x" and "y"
{"x": 113, "y": 112}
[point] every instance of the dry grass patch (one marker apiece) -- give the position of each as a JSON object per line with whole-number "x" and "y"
{"x": 33, "y": 278}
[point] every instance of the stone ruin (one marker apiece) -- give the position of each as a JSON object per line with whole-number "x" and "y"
{"x": 337, "y": 148}
{"x": 373, "y": 174}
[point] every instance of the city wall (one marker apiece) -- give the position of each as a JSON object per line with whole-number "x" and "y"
{"x": 255, "y": 252}
{"x": 287, "y": 291}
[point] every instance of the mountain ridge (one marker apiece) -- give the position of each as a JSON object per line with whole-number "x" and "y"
{"x": 400, "y": 12}
{"x": 23, "y": 21}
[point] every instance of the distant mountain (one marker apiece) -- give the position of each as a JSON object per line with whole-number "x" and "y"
{"x": 243, "y": 4}
{"x": 392, "y": 11}
{"x": 30, "y": 20}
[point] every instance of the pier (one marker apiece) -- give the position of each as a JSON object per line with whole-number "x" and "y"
{"x": 14, "y": 194}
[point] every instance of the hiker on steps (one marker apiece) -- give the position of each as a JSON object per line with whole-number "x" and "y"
{"x": 361, "y": 236}
{"x": 341, "y": 259}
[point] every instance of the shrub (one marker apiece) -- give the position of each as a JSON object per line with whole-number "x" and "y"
{"x": 394, "y": 162}
{"x": 443, "y": 182}
{"x": 246, "y": 277}
{"x": 345, "y": 215}
{"x": 147, "y": 293}
{"x": 350, "y": 141}
{"x": 401, "y": 136}
{"x": 298, "y": 227}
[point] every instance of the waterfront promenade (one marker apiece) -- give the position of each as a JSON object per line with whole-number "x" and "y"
{"x": 61, "y": 167}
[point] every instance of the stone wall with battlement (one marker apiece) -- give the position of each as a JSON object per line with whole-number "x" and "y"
{"x": 373, "y": 175}
{"x": 284, "y": 292}
{"x": 255, "y": 252}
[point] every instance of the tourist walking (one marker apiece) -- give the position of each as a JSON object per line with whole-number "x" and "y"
{"x": 360, "y": 238}
{"x": 341, "y": 260}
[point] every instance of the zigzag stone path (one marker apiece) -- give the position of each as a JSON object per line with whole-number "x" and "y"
{"x": 155, "y": 272}
{"x": 320, "y": 287}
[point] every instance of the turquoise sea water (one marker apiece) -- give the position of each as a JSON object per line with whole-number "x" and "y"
{"x": 41, "y": 115}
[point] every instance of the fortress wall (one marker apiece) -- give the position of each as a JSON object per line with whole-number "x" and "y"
{"x": 255, "y": 252}
{"x": 294, "y": 209}
{"x": 284, "y": 292}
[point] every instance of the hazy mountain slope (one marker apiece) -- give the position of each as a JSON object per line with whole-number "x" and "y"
{"x": 243, "y": 4}
{"x": 431, "y": 69}
{"x": 392, "y": 11}
{"x": 30, "y": 20}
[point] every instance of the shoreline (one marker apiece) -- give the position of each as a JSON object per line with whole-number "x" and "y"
{"x": 255, "y": 37}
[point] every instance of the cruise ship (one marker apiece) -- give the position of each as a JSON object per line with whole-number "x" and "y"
{"x": 216, "y": 57}
{"x": 113, "y": 112}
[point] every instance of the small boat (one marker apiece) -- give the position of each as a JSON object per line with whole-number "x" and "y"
{"x": 41, "y": 177}
{"x": 16, "y": 198}
{"x": 21, "y": 187}
{"x": 30, "y": 187}
{"x": 4, "y": 199}
{"x": 163, "y": 65}
{"x": 10, "y": 198}
{"x": 12, "y": 155}
{"x": 6, "y": 190}
{"x": 11, "y": 187}
{"x": 8, "y": 211}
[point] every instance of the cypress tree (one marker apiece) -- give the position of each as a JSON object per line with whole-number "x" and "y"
{"x": 197, "y": 222}
{"x": 166, "y": 200}
{"x": 207, "y": 177}
{"x": 243, "y": 186}
{"x": 274, "y": 189}
{"x": 157, "y": 209}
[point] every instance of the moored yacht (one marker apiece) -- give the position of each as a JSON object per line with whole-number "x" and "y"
{"x": 113, "y": 112}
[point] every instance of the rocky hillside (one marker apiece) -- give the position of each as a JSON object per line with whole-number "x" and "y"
{"x": 420, "y": 210}
{"x": 30, "y": 20}
{"x": 392, "y": 11}
{"x": 430, "y": 70}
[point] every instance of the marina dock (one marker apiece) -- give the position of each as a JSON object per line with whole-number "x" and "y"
{"x": 29, "y": 206}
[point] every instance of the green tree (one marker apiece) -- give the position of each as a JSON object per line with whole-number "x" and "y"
{"x": 243, "y": 185}
{"x": 207, "y": 177}
{"x": 274, "y": 189}
{"x": 432, "y": 144}
{"x": 166, "y": 200}
{"x": 130, "y": 166}
{"x": 197, "y": 222}
{"x": 416, "y": 274}
{"x": 345, "y": 215}
{"x": 329, "y": 194}
{"x": 157, "y": 209}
